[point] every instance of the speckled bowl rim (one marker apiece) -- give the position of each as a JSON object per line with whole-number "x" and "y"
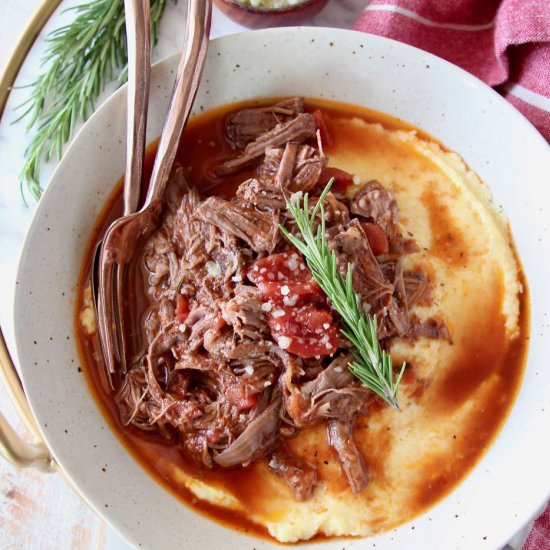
{"x": 510, "y": 483}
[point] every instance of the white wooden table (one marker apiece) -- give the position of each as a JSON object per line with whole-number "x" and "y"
{"x": 39, "y": 511}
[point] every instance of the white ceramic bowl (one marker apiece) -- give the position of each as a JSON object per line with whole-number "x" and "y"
{"x": 511, "y": 482}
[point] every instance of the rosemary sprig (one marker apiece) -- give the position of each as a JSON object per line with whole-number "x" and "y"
{"x": 80, "y": 59}
{"x": 371, "y": 364}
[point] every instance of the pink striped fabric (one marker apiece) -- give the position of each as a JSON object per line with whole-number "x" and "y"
{"x": 539, "y": 537}
{"x": 506, "y": 43}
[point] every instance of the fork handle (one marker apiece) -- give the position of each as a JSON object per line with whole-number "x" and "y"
{"x": 190, "y": 69}
{"x": 139, "y": 72}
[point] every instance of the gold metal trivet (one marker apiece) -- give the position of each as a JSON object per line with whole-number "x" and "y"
{"x": 12, "y": 446}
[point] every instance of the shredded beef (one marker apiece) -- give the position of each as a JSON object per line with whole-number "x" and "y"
{"x": 263, "y": 194}
{"x": 385, "y": 289}
{"x": 417, "y": 288}
{"x": 433, "y": 328}
{"x": 352, "y": 248}
{"x": 299, "y": 475}
{"x": 255, "y": 440}
{"x": 378, "y": 205}
{"x": 246, "y": 125}
{"x": 211, "y": 378}
{"x": 333, "y": 393}
{"x": 244, "y": 313}
{"x": 292, "y": 168}
{"x": 297, "y": 129}
{"x": 340, "y": 436}
{"x": 258, "y": 229}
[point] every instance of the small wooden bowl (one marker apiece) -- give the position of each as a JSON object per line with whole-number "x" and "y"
{"x": 261, "y": 18}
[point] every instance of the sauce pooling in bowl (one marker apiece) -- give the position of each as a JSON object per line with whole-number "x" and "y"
{"x": 454, "y": 395}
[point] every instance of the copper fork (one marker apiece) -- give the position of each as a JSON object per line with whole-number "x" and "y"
{"x": 139, "y": 72}
{"x": 124, "y": 234}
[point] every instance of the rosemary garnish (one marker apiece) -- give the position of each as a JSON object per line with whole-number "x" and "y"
{"x": 80, "y": 59}
{"x": 371, "y": 364}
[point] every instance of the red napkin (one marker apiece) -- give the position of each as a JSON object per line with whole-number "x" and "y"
{"x": 505, "y": 43}
{"x": 539, "y": 537}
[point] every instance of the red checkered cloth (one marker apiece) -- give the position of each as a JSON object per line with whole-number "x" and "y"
{"x": 506, "y": 43}
{"x": 539, "y": 537}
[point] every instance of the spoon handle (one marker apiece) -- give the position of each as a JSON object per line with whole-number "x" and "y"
{"x": 139, "y": 72}
{"x": 187, "y": 81}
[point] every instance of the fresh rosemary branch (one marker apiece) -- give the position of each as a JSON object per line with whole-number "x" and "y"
{"x": 80, "y": 59}
{"x": 371, "y": 364}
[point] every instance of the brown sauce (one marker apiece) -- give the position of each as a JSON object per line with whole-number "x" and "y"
{"x": 448, "y": 243}
{"x": 486, "y": 351}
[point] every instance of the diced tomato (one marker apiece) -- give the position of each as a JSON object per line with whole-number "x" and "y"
{"x": 291, "y": 294}
{"x": 283, "y": 267}
{"x": 285, "y": 279}
{"x": 377, "y": 238}
{"x": 306, "y": 331}
{"x": 299, "y": 320}
{"x": 182, "y": 308}
{"x": 342, "y": 179}
{"x": 322, "y": 126}
{"x": 240, "y": 398}
{"x": 314, "y": 319}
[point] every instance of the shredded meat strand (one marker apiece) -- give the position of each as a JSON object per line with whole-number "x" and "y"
{"x": 297, "y": 129}
{"x": 212, "y": 377}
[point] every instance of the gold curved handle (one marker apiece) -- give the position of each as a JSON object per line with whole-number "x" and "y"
{"x": 12, "y": 447}
{"x": 21, "y": 453}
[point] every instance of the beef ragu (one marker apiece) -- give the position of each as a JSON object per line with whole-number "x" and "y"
{"x": 242, "y": 348}
{"x": 238, "y": 349}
